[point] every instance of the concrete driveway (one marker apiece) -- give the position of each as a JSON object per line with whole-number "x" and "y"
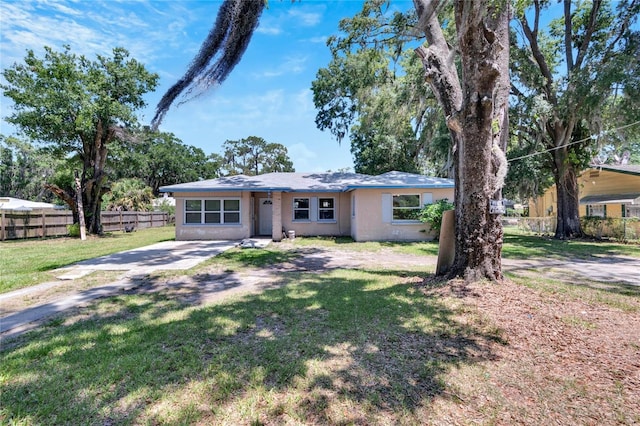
{"x": 168, "y": 255}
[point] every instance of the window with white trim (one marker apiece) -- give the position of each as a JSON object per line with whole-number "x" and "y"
{"x": 301, "y": 209}
{"x": 631, "y": 210}
{"x": 406, "y": 207}
{"x": 212, "y": 211}
{"x": 599, "y": 210}
{"x": 326, "y": 209}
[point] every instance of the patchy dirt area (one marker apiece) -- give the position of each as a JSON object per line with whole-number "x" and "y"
{"x": 565, "y": 357}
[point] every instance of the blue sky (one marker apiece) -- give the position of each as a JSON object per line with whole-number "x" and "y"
{"x": 267, "y": 95}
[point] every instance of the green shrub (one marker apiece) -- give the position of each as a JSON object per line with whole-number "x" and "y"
{"x": 73, "y": 230}
{"x": 432, "y": 213}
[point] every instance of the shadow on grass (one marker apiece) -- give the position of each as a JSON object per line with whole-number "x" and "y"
{"x": 365, "y": 341}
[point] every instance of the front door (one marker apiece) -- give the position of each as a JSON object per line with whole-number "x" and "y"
{"x": 265, "y": 212}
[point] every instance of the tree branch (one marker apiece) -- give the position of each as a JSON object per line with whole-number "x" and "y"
{"x": 582, "y": 49}
{"x": 568, "y": 31}
{"x": 437, "y": 59}
{"x": 539, "y": 57}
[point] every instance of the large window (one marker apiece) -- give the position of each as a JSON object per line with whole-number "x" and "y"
{"x": 216, "y": 211}
{"x": 599, "y": 210}
{"x": 301, "y": 209}
{"x": 631, "y": 210}
{"x": 406, "y": 207}
{"x": 326, "y": 209}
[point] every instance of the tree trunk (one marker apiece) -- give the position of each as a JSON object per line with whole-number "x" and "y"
{"x": 478, "y": 121}
{"x": 568, "y": 214}
{"x": 94, "y": 179}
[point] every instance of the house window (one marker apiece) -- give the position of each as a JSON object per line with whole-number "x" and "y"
{"x": 300, "y": 209}
{"x": 326, "y": 209}
{"x": 631, "y": 211}
{"x": 406, "y": 207}
{"x": 216, "y": 211}
{"x": 598, "y": 210}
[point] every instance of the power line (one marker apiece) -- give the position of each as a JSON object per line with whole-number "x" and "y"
{"x": 572, "y": 143}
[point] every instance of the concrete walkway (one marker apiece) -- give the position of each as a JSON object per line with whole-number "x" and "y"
{"x": 168, "y": 255}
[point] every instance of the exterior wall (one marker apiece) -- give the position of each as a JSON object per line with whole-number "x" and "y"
{"x": 186, "y": 232}
{"x": 545, "y": 205}
{"x": 369, "y": 223}
{"x": 363, "y": 224}
{"x": 605, "y": 182}
{"x": 340, "y": 226}
{"x": 590, "y": 182}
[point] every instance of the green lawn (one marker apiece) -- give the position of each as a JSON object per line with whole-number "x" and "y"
{"x": 518, "y": 246}
{"x": 29, "y": 262}
{"x": 351, "y": 346}
{"x": 149, "y": 359}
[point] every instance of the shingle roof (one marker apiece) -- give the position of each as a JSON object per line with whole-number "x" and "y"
{"x": 311, "y": 182}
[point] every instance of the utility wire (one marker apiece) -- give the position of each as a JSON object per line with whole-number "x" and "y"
{"x": 572, "y": 143}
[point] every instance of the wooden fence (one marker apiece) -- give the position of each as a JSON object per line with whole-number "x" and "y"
{"x": 53, "y": 223}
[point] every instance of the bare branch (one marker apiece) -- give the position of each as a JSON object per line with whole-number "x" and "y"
{"x": 584, "y": 46}
{"x": 539, "y": 57}
{"x": 568, "y": 31}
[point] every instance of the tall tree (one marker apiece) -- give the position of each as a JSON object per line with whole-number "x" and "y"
{"x": 254, "y": 156}
{"x": 25, "y": 168}
{"x": 476, "y": 108}
{"x": 477, "y": 117}
{"x": 160, "y": 158}
{"x": 373, "y": 91}
{"x": 129, "y": 195}
{"x": 78, "y": 106}
{"x": 565, "y": 75}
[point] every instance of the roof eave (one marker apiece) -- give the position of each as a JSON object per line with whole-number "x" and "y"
{"x": 421, "y": 186}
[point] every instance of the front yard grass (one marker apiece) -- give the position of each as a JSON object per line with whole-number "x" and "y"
{"x": 29, "y": 262}
{"x": 345, "y": 346}
{"x": 519, "y": 246}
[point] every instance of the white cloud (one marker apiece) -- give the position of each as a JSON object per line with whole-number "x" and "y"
{"x": 303, "y": 158}
{"x": 319, "y": 39}
{"x": 307, "y": 19}
{"x": 290, "y": 65}
{"x": 269, "y": 30}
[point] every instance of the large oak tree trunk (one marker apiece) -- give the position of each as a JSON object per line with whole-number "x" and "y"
{"x": 568, "y": 214}
{"x": 477, "y": 116}
{"x": 94, "y": 178}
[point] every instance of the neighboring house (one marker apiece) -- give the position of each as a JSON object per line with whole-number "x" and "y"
{"x": 10, "y": 203}
{"x": 604, "y": 190}
{"x": 367, "y": 208}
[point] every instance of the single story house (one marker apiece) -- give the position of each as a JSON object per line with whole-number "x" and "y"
{"x": 604, "y": 190}
{"x": 367, "y": 208}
